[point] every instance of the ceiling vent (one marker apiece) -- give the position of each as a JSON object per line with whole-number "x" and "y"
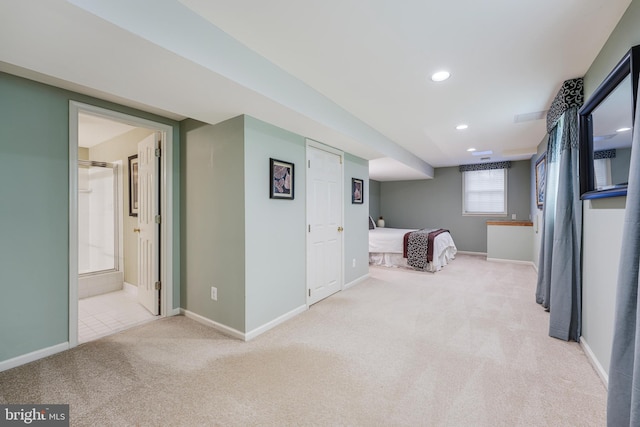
{"x": 529, "y": 117}
{"x": 482, "y": 153}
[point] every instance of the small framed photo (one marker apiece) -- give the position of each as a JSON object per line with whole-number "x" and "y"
{"x": 541, "y": 170}
{"x": 357, "y": 189}
{"x": 133, "y": 185}
{"x": 281, "y": 179}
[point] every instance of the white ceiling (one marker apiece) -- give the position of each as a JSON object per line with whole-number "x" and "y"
{"x": 94, "y": 130}
{"x": 350, "y": 73}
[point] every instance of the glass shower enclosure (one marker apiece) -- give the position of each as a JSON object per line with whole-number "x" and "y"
{"x": 98, "y": 228}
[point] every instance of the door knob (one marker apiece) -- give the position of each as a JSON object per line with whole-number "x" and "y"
{"x": 136, "y": 230}
{"x": 340, "y": 229}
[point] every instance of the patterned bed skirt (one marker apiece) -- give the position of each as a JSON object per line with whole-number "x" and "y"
{"x": 387, "y": 259}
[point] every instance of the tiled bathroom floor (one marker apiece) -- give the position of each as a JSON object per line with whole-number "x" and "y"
{"x": 106, "y": 314}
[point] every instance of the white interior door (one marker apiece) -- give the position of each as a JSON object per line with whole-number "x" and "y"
{"x": 324, "y": 215}
{"x": 148, "y": 234}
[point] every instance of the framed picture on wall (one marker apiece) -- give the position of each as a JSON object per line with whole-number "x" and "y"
{"x": 281, "y": 179}
{"x": 357, "y": 189}
{"x": 133, "y": 185}
{"x": 541, "y": 170}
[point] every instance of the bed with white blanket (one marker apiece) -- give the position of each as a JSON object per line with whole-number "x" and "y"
{"x": 398, "y": 247}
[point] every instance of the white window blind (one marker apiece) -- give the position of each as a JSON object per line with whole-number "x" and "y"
{"x": 485, "y": 192}
{"x": 602, "y": 168}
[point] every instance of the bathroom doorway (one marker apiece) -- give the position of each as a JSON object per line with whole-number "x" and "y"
{"x": 106, "y": 293}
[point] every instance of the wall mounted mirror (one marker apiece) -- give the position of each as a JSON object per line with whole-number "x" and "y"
{"x": 606, "y": 129}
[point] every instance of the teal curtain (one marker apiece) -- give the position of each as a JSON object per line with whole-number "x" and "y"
{"x": 559, "y": 287}
{"x": 623, "y": 401}
{"x": 543, "y": 290}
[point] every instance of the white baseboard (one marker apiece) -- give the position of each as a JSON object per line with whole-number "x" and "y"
{"x": 512, "y": 261}
{"x": 241, "y": 335}
{"x": 130, "y": 289}
{"x": 355, "y": 282}
{"x": 174, "y": 312}
{"x": 275, "y": 322}
{"x": 215, "y": 325}
{"x": 34, "y": 355}
{"x": 471, "y": 253}
{"x": 595, "y": 362}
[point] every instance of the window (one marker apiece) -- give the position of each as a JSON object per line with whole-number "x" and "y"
{"x": 602, "y": 169}
{"x": 484, "y": 192}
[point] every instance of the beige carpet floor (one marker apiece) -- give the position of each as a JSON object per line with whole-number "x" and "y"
{"x": 467, "y": 346}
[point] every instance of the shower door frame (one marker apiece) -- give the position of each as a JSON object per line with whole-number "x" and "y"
{"x": 117, "y": 214}
{"x": 166, "y": 207}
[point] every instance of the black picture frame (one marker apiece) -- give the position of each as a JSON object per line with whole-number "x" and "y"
{"x": 357, "y": 191}
{"x": 133, "y": 185}
{"x": 281, "y": 179}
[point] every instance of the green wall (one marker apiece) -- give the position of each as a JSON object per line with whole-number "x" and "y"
{"x": 34, "y": 169}
{"x": 437, "y": 203}
{"x": 374, "y": 199}
{"x": 356, "y": 229}
{"x": 275, "y": 228}
{"x": 624, "y": 36}
{"x": 603, "y": 219}
{"x": 213, "y": 221}
{"x": 34, "y": 248}
{"x": 620, "y": 166}
{"x": 252, "y": 247}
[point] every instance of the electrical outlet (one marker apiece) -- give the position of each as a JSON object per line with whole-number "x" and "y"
{"x": 214, "y": 293}
{"x": 354, "y": 263}
{"x": 513, "y": 216}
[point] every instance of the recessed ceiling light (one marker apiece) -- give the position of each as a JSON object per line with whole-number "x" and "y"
{"x": 471, "y": 150}
{"x": 623, "y": 130}
{"x": 462, "y": 127}
{"x": 440, "y": 76}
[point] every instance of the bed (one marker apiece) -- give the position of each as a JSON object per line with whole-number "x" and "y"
{"x": 396, "y": 247}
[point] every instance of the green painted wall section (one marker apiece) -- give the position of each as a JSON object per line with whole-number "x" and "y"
{"x": 356, "y": 226}
{"x": 35, "y": 202}
{"x": 213, "y": 220}
{"x": 437, "y": 203}
{"x": 252, "y": 247}
{"x": 34, "y": 167}
{"x": 624, "y": 36}
{"x": 603, "y": 219}
{"x": 275, "y": 267}
{"x": 374, "y": 199}
{"x": 620, "y": 166}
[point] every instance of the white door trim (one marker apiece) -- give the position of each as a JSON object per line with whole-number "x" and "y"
{"x": 321, "y": 146}
{"x": 166, "y": 208}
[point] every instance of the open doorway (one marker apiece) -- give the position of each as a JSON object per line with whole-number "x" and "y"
{"x": 118, "y": 190}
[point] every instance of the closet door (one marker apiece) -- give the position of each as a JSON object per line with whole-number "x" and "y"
{"x": 324, "y": 216}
